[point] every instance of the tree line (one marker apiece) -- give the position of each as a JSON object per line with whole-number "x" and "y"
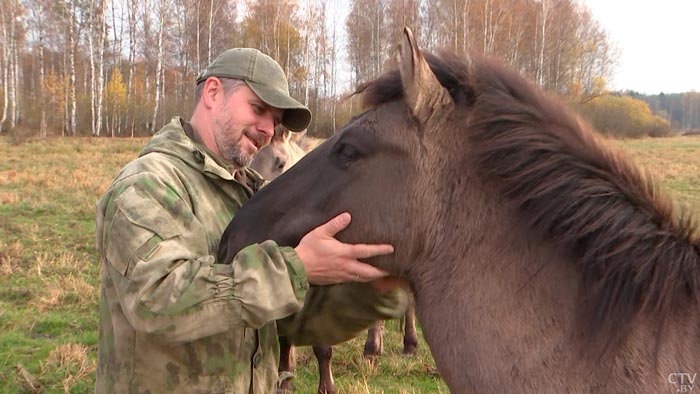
{"x": 124, "y": 67}
{"x": 682, "y": 110}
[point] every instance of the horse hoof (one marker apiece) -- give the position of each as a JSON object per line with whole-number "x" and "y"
{"x": 371, "y": 351}
{"x": 371, "y": 355}
{"x": 409, "y": 350}
{"x": 326, "y": 390}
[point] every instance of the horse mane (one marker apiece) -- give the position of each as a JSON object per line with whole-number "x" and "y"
{"x": 637, "y": 254}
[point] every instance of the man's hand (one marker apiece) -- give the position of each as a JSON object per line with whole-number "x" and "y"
{"x": 328, "y": 261}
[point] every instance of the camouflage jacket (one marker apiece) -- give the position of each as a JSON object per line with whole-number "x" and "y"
{"x": 172, "y": 318}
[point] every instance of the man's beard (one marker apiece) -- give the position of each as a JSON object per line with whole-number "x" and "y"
{"x": 231, "y": 150}
{"x": 233, "y": 153}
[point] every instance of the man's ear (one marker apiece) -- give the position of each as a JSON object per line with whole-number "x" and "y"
{"x": 211, "y": 90}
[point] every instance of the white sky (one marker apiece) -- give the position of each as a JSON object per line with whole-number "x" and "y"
{"x": 658, "y": 40}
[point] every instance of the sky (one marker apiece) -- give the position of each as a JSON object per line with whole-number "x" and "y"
{"x": 658, "y": 40}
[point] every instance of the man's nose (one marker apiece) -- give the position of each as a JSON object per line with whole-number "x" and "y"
{"x": 267, "y": 126}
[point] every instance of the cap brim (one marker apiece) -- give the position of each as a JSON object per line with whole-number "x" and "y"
{"x": 296, "y": 116}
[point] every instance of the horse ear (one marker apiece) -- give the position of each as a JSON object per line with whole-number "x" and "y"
{"x": 422, "y": 91}
{"x": 281, "y": 133}
{"x": 296, "y": 137}
{"x": 287, "y": 135}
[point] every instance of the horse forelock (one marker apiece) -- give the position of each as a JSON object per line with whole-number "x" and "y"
{"x": 636, "y": 253}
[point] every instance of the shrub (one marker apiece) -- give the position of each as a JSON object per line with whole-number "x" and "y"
{"x": 624, "y": 116}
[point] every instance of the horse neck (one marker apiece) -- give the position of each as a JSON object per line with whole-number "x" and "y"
{"x": 500, "y": 313}
{"x": 476, "y": 309}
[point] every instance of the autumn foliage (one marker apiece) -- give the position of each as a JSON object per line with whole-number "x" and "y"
{"x": 624, "y": 116}
{"x": 125, "y": 67}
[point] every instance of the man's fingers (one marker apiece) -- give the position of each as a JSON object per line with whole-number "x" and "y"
{"x": 328, "y": 260}
{"x": 364, "y": 251}
{"x": 365, "y": 273}
{"x": 337, "y": 224}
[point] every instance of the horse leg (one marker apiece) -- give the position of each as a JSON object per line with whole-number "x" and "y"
{"x": 323, "y": 354}
{"x": 375, "y": 341}
{"x": 410, "y": 336}
{"x": 286, "y": 368}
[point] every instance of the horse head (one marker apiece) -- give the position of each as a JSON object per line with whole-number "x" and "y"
{"x": 280, "y": 154}
{"x": 524, "y": 236}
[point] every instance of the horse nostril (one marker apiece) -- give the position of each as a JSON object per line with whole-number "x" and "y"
{"x": 280, "y": 163}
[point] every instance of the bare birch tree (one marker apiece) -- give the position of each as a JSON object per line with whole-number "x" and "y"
{"x": 147, "y": 48}
{"x": 543, "y": 40}
{"x": 210, "y": 31}
{"x": 131, "y": 10}
{"x": 97, "y": 27}
{"x": 198, "y": 40}
{"x": 333, "y": 59}
{"x": 99, "y": 91}
{"x": 92, "y": 79}
{"x": 15, "y": 27}
{"x": 39, "y": 21}
{"x": 162, "y": 8}
{"x": 5, "y": 63}
{"x": 10, "y": 13}
{"x": 71, "y": 107}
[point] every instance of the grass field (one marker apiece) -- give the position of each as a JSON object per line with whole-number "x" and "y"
{"x": 49, "y": 270}
{"x": 675, "y": 162}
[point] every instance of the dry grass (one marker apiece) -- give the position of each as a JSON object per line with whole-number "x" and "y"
{"x": 366, "y": 367}
{"x": 674, "y": 162}
{"x": 9, "y": 198}
{"x": 56, "y": 262}
{"x": 72, "y": 361}
{"x": 7, "y": 176}
{"x": 28, "y": 381}
{"x": 58, "y": 292}
{"x": 10, "y": 257}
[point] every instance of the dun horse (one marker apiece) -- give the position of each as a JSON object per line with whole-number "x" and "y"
{"x": 285, "y": 149}
{"x": 282, "y": 152}
{"x": 542, "y": 260}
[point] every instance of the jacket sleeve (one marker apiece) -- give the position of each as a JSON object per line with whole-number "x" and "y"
{"x": 168, "y": 283}
{"x": 336, "y": 313}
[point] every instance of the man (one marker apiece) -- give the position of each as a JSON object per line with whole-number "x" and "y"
{"x": 172, "y": 319}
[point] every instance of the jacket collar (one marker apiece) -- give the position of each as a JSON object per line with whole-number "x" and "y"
{"x": 179, "y": 139}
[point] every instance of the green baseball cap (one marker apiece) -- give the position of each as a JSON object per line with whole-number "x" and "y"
{"x": 263, "y": 76}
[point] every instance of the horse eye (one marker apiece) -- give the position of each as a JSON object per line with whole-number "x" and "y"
{"x": 348, "y": 152}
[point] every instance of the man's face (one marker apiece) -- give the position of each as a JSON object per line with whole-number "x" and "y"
{"x": 243, "y": 124}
